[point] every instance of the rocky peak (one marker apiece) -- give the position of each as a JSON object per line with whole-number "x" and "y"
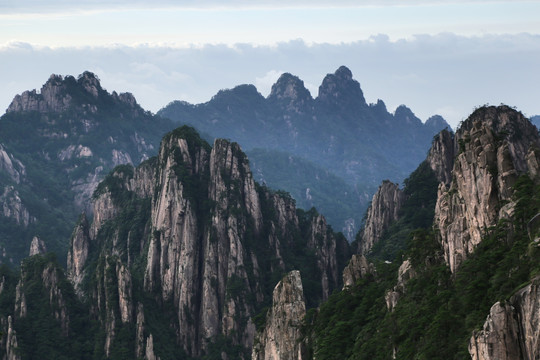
{"x": 60, "y": 93}
{"x": 436, "y": 123}
{"x": 384, "y": 210}
{"x": 494, "y": 146}
{"x": 358, "y": 268}
{"x": 341, "y": 91}
{"x": 405, "y": 273}
{"x": 78, "y": 253}
{"x": 280, "y": 339}
{"x": 12, "y": 166}
{"x": 512, "y": 329}
{"x": 246, "y": 94}
{"x": 405, "y": 115}
{"x": 37, "y": 247}
{"x": 290, "y": 94}
{"x": 441, "y": 156}
{"x": 90, "y": 83}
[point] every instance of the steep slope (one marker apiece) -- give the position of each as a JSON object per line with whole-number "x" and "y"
{"x": 179, "y": 261}
{"x": 282, "y": 333}
{"x": 56, "y": 144}
{"x": 430, "y": 302}
{"x": 494, "y": 147}
{"x": 311, "y": 185}
{"x": 361, "y": 143}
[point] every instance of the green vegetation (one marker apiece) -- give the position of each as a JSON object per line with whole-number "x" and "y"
{"x": 436, "y": 315}
{"x": 417, "y": 212}
{"x": 55, "y": 148}
{"x": 311, "y": 186}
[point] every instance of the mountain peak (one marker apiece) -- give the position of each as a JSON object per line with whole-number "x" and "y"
{"x": 60, "y": 93}
{"x": 437, "y": 123}
{"x": 290, "y": 93}
{"x": 404, "y": 114}
{"x": 340, "y": 90}
{"x": 344, "y": 73}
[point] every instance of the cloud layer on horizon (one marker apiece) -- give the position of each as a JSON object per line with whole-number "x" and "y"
{"x": 442, "y": 74}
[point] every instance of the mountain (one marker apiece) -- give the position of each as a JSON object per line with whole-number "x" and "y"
{"x": 179, "y": 262}
{"x": 338, "y": 129}
{"x": 56, "y": 144}
{"x": 311, "y": 186}
{"x": 536, "y": 120}
{"x": 447, "y": 266}
{"x": 361, "y": 143}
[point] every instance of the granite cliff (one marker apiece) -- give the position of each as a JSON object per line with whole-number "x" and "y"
{"x": 463, "y": 245}
{"x": 56, "y": 145}
{"x": 179, "y": 261}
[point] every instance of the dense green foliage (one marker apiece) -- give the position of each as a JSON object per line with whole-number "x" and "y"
{"x": 436, "y": 315}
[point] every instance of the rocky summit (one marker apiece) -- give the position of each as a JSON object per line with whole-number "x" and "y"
{"x": 460, "y": 248}
{"x": 179, "y": 260}
{"x": 336, "y": 131}
{"x": 56, "y": 145}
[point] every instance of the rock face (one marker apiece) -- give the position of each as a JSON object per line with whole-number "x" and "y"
{"x": 357, "y": 268}
{"x": 78, "y": 253}
{"x": 441, "y": 156}
{"x": 281, "y": 336}
{"x": 512, "y": 329}
{"x": 211, "y": 241}
{"x": 37, "y": 247}
{"x": 494, "y": 146}
{"x": 405, "y": 273}
{"x": 290, "y": 94}
{"x": 71, "y": 133}
{"x": 12, "y": 166}
{"x": 13, "y": 207}
{"x": 384, "y": 210}
{"x": 337, "y": 130}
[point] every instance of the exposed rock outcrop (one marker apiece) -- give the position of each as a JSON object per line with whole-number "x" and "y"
{"x": 280, "y": 339}
{"x": 210, "y": 238}
{"x": 13, "y": 207}
{"x": 290, "y": 94}
{"x": 357, "y": 268}
{"x": 405, "y": 273}
{"x": 11, "y": 342}
{"x": 441, "y": 156}
{"x": 37, "y": 247}
{"x": 78, "y": 253}
{"x": 384, "y": 210}
{"x": 494, "y": 146}
{"x": 12, "y": 166}
{"x": 512, "y": 329}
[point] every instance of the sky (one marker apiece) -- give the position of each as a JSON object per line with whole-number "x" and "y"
{"x": 437, "y": 57}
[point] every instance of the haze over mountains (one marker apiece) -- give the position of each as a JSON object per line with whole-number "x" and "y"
{"x": 338, "y": 131}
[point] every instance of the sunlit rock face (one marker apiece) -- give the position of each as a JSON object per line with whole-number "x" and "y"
{"x": 493, "y": 147}
{"x": 384, "y": 210}
{"x": 281, "y": 337}
{"x": 512, "y": 329}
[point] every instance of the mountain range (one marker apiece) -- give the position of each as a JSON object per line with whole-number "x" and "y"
{"x": 338, "y": 131}
{"x": 179, "y": 253}
{"x": 187, "y": 257}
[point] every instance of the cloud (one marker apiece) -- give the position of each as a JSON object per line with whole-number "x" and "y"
{"x": 264, "y": 83}
{"x": 446, "y": 73}
{"x": 37, "y": 6}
